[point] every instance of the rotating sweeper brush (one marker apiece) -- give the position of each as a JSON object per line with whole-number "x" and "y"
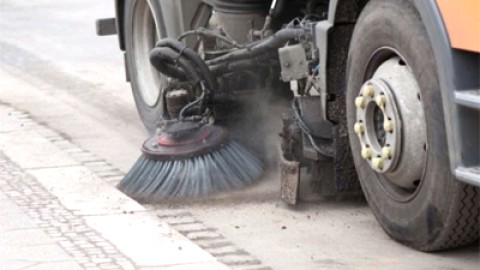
{"x": 188, "y": 159}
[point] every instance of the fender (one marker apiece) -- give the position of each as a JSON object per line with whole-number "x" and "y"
{"x": 458, "y": 71}
{"x": 119, "y": 22}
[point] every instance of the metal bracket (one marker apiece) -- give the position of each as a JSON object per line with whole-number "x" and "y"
{"x": 290, "y": 179}
{"x": 106, "y": 27}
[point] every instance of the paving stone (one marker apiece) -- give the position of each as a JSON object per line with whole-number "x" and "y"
{"x": 239, "y": 260}
{"x": 65, "y": 145}
{"x": 202, "y": 235}
{"x": 179, "y": 220}
{"x": 24, "y": 237}
{"x": 16, "y": 222}
{"x": 56, "y": 266}
{"x": 153, "y": 239}
{"x": 101, "y": 260}
{"x": 102, "y": 168}
{"x": 8, "y": 122}
{"x": 77, "y": 195}
{"x": 8, "y": 207}
{"x": 43, "y": 253}
{"x": 192, "y": 227}
{"x": 230, "y": 249}
{"x": 29, "y": 151}
{"x": 196, "y": 266}
{"x": 107, "y": 266}
{"x": 46, "y": 133}
{"x": 8, "y": 264}
{"x": 109, "y": 173}
{"x": 74, "y": 150}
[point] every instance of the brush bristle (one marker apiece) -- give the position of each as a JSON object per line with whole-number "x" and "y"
{"x": 231, "y": 166}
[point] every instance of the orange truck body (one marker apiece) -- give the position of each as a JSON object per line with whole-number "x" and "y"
{"x": 462, "y": 20}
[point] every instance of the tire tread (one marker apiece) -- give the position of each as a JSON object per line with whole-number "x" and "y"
{"x": 465, "y": 222}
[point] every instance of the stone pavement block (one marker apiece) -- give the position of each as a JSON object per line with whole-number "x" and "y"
{"x": 15, "y": 264}
{"x": 28, "y": 150}
{"x": 8, "y": 207}
{"x": 24, "y": 237}
{"x": 2, "y": 197}
{"x": 43, "y": 253}
{"x": 243, "y": 259}
{"x": 160, "y": 245}
{"x": 56, "y": 266}
{"x": 193, "y": 266}
{"x": 201, "y": 235}
{"x": 192, "y": 227}
{"x": 15, "y": 222}
{"x": 225, "y": 250}
{"x": 85, "y": 193}
{"x": 8, "y": 123}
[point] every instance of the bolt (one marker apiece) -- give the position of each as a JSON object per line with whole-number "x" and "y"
{"x": 380, "y": 100}
{"x": 359, "y": 128}
{"x": 387, "y": 152}
{"x": 388, "y": 125}
{"x": 366, "y": 152}
{"x": 377, "y": 163}
{"x": 360, "y": 102}
{"x": 368, "y": 90}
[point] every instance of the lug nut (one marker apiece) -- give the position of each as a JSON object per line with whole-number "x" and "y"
{"x": 380, "y": 100}
{"x": 377, "y": 163}
{"x": 360, "y": 102}
{"x": 366, "y": 152}
{"x": 368, "y": 90}
{"x": 388, "y": 125}
{"x": 387, "y": 152}
{"x": 359, "y": 128}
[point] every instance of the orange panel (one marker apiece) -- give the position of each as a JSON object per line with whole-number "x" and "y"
{"x": 462, "y": 19}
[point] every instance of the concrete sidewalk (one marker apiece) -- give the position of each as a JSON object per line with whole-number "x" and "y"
{"x": 59, "y": 209}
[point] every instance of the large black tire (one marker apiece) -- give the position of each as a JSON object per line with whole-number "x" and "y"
{"x": 442, "y": 212}
{"x": 140, "y": 38}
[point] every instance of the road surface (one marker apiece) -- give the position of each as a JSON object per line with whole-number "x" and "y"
{"x": 54, "y": 67}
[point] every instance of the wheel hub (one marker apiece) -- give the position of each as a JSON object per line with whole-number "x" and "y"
{"x": 391, "y": 125}
{"x": 378, "y": 125}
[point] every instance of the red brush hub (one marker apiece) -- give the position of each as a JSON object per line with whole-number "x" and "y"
{"x": 184, "y": 140}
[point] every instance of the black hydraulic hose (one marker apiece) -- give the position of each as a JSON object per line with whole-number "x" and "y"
{"x": 272, "y": 43}
{"x": 191, "y": 55}
{"x": 161, "y": 58}
{"x": 239, "y": 65}
{"x": 193, "y": 103}
{"x": 167, "y": 67}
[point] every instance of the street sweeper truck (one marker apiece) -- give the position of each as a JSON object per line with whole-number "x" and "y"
{"x": 377, "y": 96}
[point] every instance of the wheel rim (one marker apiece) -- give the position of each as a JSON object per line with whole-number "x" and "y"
{"x": 390, "y": 124}
{"x": 145, "y": 35}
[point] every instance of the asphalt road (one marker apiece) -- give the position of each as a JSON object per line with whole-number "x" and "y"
{"x": 53, "y": 66}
